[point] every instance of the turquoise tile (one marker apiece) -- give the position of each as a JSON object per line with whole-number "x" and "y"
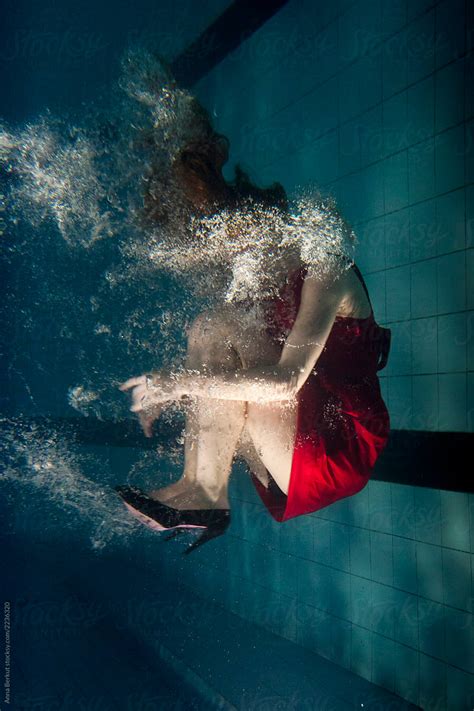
{"x": 451, "y": 219}
{"x": 423, "y": 230}
{"x": 420, "y": 111}
{"x": 322, "y": 541}
{"x": 398, "y": 293}
{"x": 460, "y": 639}
{"x": 469, "y": 152}
{"x": 324, "y": 635}
{"x": 371, "y": 136}
{"x": 371, "y": 245}
{"x": 315, "y": 631}
{"x": 450, "y": 31}
{"x": 297, "y": 537}
{"x": 340, "y": 537}
{"x": 267, "y": 561}
{"x": 451, "y": 282}
{"x": 245, "y": 564}
{"x": 421, "y": 54}
{"x": 339, "y": 603}
{"x": 421, "y": 171}
{"x": 425, "y": 403}
{"x": 377, "y": 288}
{"x": 371, "y": 183}
{"x": 396, "y": 181}
{"x": 405, "y": 618}
{"x": 470, "y": 25}
{"x": 288, "y": 575}
{"x": 400, "y": 359}
{"x": 457, "y": 579}
{"x": 429, "y": 566}
{"x": 469, "y": 200}
{"x": 394, "y": 16}
{"x": 341, "y": 639}
{"x": 455, "y": 520}
{"x": 268, "y": 611}
{"x": 380, "y": 506}
{"x": 316, "y": 160}
{"x": 394, "y": 117}
{"x": 449, "y": 95}
{"x": 370, "y": 82}
{"x": 258, "y": 525}
{"x": 306, "y": 625}
{"x": 384, "y": 387}
{"x": 340, "y": 511}
{"x": 452, "y": 390}
{"x": 406, "y": 673}
{"x": 431, "y": 616}
{"x": 360, "y": 552}
{"x": 470, "y": 402}
{"x": 403, "y": 510}
{"x": 423, "y": 288}
{"x": 449, "y": 159}
{"x": 361, "y": 652}
{"x": 452, "y": 338}
{"x": 348, "y": 85}
{"x": 428, "y": 515}
{"x": 349, "y": 147}
{"x": 394, "y": 64}
{"x": 424, "y": 343}
{"x": 359, "y": 508}
{"x": 432, "y": 683}
{"x": 381, "y": 557}
{"x": 469, "y": 82}
{"x": 417, "y": 8}
{"x": 470, "y": 339}
{"x": 397, "y": 238}
{"x": 314, "y": 584}
{"x": 384, "y": 609}
{"x": 289, "y": 620}
{"x": 361, "y": 601}
{"x": 383, "y": 669}
{"x": 460, "y": 689}
{"x": 470, "y": 280}
{"x": 404, "y": 564}
{"x": 400, "y": 402}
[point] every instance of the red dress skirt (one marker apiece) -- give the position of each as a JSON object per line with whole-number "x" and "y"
{"x": 342, "y": 421}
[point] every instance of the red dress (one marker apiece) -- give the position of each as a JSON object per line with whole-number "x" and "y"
{"x": 342, "y": 421}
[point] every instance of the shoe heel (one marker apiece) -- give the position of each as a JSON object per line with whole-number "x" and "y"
{"x": 209, "y": 533}
{"x": 173, "y": 534}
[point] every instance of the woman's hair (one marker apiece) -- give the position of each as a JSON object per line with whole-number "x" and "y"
{"x": 273, "y": 196}
{"x": 199, "y": 164}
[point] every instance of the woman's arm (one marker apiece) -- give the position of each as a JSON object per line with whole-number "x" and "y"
{"x": 320, "y": 300}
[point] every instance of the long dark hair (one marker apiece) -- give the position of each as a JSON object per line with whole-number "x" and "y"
{"x": 200, "y": 164}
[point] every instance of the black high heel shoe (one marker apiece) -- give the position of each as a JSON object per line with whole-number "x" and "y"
{"x": 161, "y": 517}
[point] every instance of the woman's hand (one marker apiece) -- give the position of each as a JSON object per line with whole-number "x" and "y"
{"x": 149, "y": 392}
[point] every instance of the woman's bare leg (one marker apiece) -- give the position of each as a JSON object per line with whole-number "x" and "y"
{"x": 262, "y": 433}
{"x": 213, "y": 427}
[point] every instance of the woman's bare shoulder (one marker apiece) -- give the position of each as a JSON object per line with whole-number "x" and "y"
{"x": 345, "y": 287}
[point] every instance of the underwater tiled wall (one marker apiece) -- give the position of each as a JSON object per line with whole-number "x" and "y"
{"x": 372, "y": 101}
{"x": 379, "y": 583}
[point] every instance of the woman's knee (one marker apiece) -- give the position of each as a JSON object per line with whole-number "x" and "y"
{"x": 210, "y": 340}
{"x": 208, "y": 325}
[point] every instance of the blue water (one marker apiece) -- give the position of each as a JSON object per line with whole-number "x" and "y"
{"x": 103, "y": 613}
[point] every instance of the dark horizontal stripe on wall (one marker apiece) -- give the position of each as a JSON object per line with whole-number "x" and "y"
{"x": 439, "y": 460}
{"x": 236, "y": 24}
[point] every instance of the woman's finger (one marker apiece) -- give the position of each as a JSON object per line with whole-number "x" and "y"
{"x": 146, "y": 424}
{"x": 131, "y": 382}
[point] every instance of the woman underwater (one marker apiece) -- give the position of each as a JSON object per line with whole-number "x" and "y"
{"x": 298, "y": 398}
